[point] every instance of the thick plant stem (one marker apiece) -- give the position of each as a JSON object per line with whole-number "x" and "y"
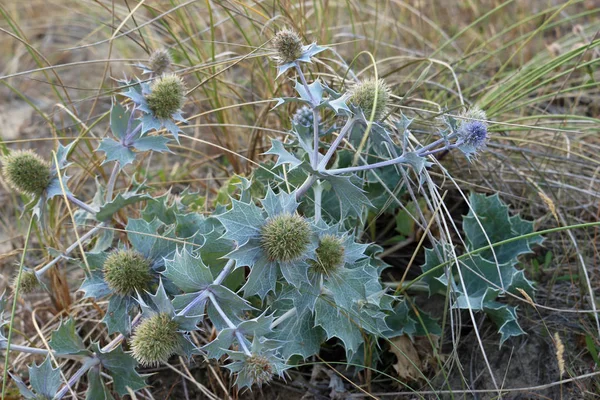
{"x": 305, "y": 186}
{"x": 204, "y": 294}
{"x": 110, "y": 187}
{"x": 318, "y": 190}
{"x": 347, "y": 127}
{"x": 81, "y": 204}
{"x": 42, "y": 352}
{"x": 40, "y": 272}
{"x": 14, "y": 308}
{"x": 230, "y": 324}
{"x": 288, "y": 314}
{"x": 89, "y": 363}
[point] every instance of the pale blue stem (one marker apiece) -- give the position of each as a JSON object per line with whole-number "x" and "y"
{"x": 305, "y": 186}
{"x": 89, "y": 363}
{"x": 318, "y": 190}
{"x": 349, "y": 123}
{"x": 37, "y": 351}
{"x": 204, "y": 293}
{"x": 40, "y": 272}
{"x": 230, "y": 324}
{"x": 288, "y": 314}
{"x": 423, "y": 152}
{"x": 81, "y": 204}
{"x": 110, "y": 187}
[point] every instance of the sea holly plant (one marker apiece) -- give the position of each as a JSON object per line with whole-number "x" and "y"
{"x": 279, "y": 266}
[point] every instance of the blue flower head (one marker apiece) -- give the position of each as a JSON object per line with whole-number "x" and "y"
{"x": 472, "y": 132}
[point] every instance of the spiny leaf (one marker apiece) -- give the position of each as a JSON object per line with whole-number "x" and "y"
{"x": 66, "y": 341}
{"x": 121, "y": 368}
{"x": 116, "y": 151}
{"x": 242, "y": 222}
{"x": 188, "y": 272}
{"x": 119, "y": 202}
{"x": 96, "y": 389}
{"x": 44, "y": 379}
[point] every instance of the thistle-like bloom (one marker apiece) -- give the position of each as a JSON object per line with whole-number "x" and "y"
{"x": 285, "y": 237}
{"x": 29, "y": 282}
{"x": 260, "y": 366}
{"x": 26, "y": 172}
{"x": 288, "y": 45}
{"x": 159, "y": 62}
{"x": 371, "y": 95}
{"x": 330, "y": 255}
{"x": 127, "y": 271}
{"x": 272, "y": 240}
{"x": 155, "y": 340}
{"x": 161, "y": 103}
{"x": 472, "y": 131}
{"x": 167, "y": 96}
{"x": 289, "y": 50}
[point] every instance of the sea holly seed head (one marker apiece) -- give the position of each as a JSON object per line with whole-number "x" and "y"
{"x": 330, "y": 255}
{"x": 166, "y": 96}
{"x": 259, "y": 369}
{"x": 371, "y": 94}
{"x": 29, "y": 282}
{"x": 288, "y": 45}
{"x": 26, "y": 172}
{"x": 127, "y": 271}
{"x": 155, "y": 340}
{"x": 160, "y": 61}
{"x": 285, "y": 237}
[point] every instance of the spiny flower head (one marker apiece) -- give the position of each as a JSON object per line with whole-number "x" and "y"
{"x": 155, "y": 340}
{"x": 472, "y": 129}
{"x": 285, "y": 237}
{"x": 127, "y": 271}
{"x": 371, "y": 94}
{"x": 330, "y": 255}
{"x": 159, "y": 61}
{"x": 26, "y": 172}
{"x": 288, "y": 45}
{"x": 29, "y": 282}
{"x": 259, "y": 369}
{"x": 166, "y": 96}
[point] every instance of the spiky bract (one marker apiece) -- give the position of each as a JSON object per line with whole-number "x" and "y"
{"x": 285, "y": 237}
{"x": 155, "y": 340}
{"x": 29, "y": 282}
{"x": 288, "y": 45}
{"x": 166, "y": 96}
{"x": 26, "y": 172}
{"x": 259, "y": 369}
{"x": 371, "y": 94}
{"x": 159, "y": 61}
{"x": 126, "y": 271}
{"x": 330, "y": 255}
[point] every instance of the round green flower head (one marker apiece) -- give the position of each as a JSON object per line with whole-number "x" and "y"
{"x": 126, "y": 271}
{"x": 29, "y": 282}
{"x": 160, "y": 61}
{"x": 155, "y": 340}
{"x": 330, "y": 255}
{"x": 285, "y": 237}
{"x": 167, "y": 96}
{"x": 363, "y": 96}
{"x": 26, "y": 172}
{"x": 288, "y": 45}
{"x": 259, "y": 369}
